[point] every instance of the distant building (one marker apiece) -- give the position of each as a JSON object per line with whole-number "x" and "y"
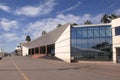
{"x": 79, "y": 42}
{"x": 18, "y": 51}
{"x": 2, "y": 52}
{"x": 24, "y": 49}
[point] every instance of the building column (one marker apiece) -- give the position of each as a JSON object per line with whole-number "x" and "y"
{"x": 46, "y": 50}
{"x": 34, "y": 50}
{"x": 39, "y": 50}
{"x": 31, "y": 51}
{"x": 114, "y": 55}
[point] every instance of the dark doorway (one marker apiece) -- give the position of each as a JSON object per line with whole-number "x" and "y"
{"x": 118, "y": 54}
{"x": 32, "y": 51}
{"x": 51, "y": 49}
{"x": 42, "y": 50}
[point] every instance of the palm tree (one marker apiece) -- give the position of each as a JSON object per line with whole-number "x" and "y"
{"x": 28, "y": 38}
{"x": 105, "y": 19}
{"x": 113, "y": 16}
{"x": 87, "y": 22}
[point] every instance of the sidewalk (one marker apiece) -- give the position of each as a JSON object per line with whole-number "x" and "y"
{"x": 99, "y": 62}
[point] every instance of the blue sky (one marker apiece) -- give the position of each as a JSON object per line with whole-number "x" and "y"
{"x": 19, "y": 18}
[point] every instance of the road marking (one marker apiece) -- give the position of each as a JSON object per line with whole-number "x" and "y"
{"x": 21, "y": 72}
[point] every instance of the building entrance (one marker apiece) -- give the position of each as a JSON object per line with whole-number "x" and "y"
{"x": 51, "y": 49}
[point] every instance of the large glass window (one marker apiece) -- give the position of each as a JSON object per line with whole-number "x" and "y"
{"x": 91, "y": 43}
{"x": 108, "y": 31}
{"x": 96, "y": 32}
{"x": 84, "y": 33}
{"x": 79, "y": 32}
{"x": 90, "y": 32}
{"x": 102, "y": 32}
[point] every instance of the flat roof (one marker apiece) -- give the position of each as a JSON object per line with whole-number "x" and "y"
{"x": 89, "y": 25}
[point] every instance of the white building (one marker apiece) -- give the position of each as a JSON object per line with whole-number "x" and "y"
{"x": 2, "y": 52}
{"x": 81, "y": 42}
{"x": 23, "y": 48}
{"x": 116, "y": 40}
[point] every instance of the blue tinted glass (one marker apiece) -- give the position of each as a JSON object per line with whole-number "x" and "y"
{"x": 79, "y": 34}
{"x": 73, "y": 34}
{"x": 102, "y": 32}
{"x": 102, "y": 27}
{"x": 73, "y": 41}
{"x": 87, "y": 42}
{"x": 117, "y": 30}
{"x": 102, "y": 40}
{"x": 108, "y": 32}
{"x": 79, "y": 41}
{"x": 84, "y": 41}
{"x": 85, "y": 28}
{"x": 109, "y": 40}
{"x": 84, "y": 34}
{"x": 96, "y": 41}
{"x": 96, "y": 32}
{"x": 90, "y": 41}
{"x": 90, "y": 46}
{"x": 90, "y": 32}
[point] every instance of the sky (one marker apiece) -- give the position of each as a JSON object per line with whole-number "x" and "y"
{"x": 19, "y": 18}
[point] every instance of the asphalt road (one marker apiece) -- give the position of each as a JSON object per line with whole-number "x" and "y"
{"x": 26, "y": 68}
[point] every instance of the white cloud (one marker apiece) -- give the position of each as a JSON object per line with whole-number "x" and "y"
{"x": 7, "y": 24}
{"x": 97, "y": 18}
{"x": 33, "y": 11}
{"x": 28, "y": 11}
{"x": 4, "y": 8}
{"x": 70, "y": 8}
{"x": 10, "y": 36}
{"x": 117, "y": 11}
{"x": 35, "y": 28}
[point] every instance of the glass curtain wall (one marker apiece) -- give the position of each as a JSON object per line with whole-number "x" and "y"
{"x": 91, "y": 43}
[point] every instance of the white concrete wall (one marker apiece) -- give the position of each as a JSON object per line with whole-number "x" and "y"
{"x": 116, "y": 39}
{"x": 25, "y": 51}
{"x": 62, "y": 46}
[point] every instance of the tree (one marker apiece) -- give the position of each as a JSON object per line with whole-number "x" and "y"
{"x": 44, "y": 32}
{"x": 113, "y": 16}
{"x": 108, "y": 18}
{"x": 87, "y": 22}
{"x": 74, "y": 24}
{"x": 105, "y": 19}
{"x": 104, "y": 45}
{"x": 28, "y": 38}
{"x": 59, "y": 25}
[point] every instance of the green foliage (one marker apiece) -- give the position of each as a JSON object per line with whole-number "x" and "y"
{"x": 59, "y": 25}
{"x": 88, "y": 22}
{"x": 44, "y": 32}
{"x": 28, "y": 38}
{"x": 108, "y": 18}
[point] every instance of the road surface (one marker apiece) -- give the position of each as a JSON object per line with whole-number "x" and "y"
{"x": 26, "y": 68}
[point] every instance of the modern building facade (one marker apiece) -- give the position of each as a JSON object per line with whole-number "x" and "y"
{"x": 116, "y": 40}
{"x": 92, "y": 42}
{"x": 81, "y": 42}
